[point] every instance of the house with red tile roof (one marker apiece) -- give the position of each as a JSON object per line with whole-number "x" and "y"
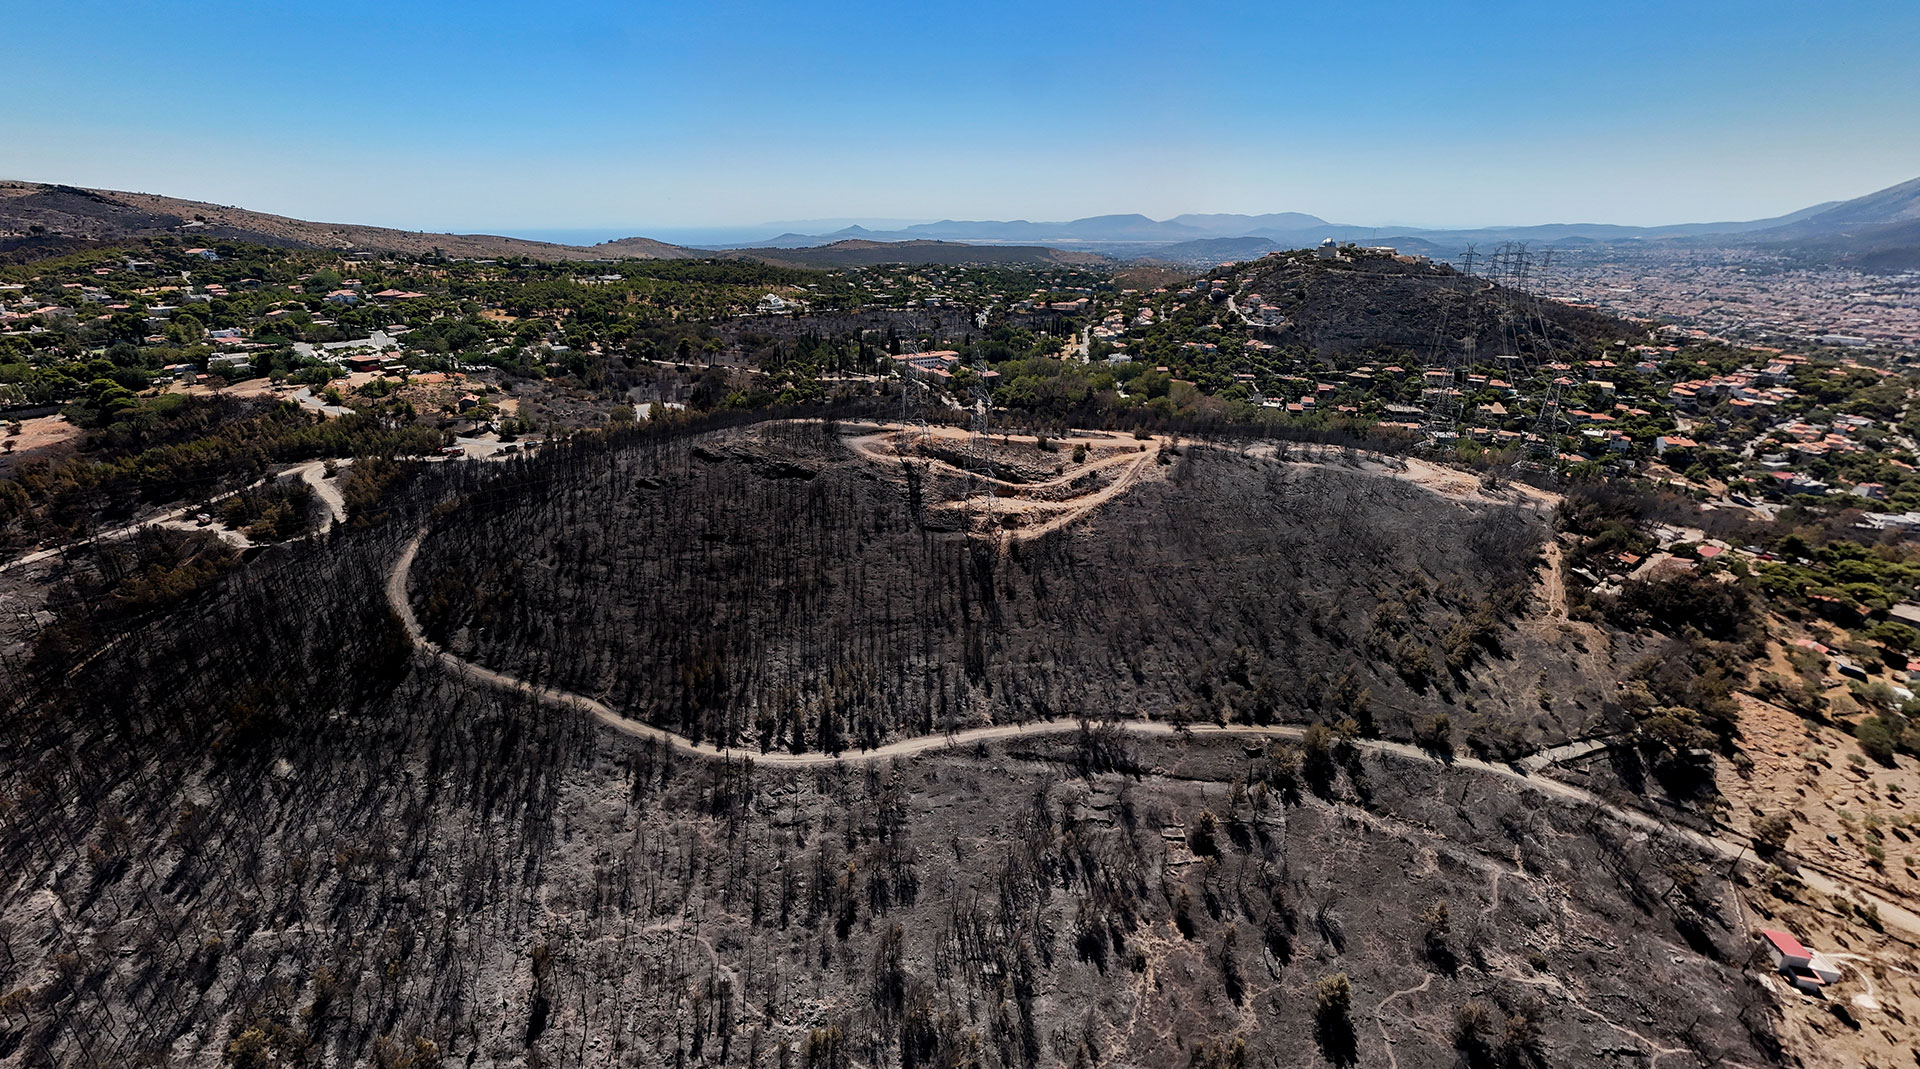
{"x": 1804, "y": 968}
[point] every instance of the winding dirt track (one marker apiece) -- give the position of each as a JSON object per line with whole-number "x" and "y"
{"x": 1380, "y": 1017}
{"x": 1892, "y": 915}
{"x": 310, "y": 472}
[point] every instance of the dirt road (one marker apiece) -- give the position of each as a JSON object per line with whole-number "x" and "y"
{"x": 314, "y": 474}
{"x": 1894, "y": 916}
{"x": 1556, "y": 584}
{"x": 311, "y": 473}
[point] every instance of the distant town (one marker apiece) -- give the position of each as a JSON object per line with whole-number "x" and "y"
{"x": 1747, "y": 296}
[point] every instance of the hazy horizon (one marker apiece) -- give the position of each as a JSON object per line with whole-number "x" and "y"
{"x": 719, "y": 234}
{"x": 515, "y": 119}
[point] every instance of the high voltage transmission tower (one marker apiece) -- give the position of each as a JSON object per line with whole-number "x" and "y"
{"x": 1440, "y": 381}
{"x": 1446, "y": 357}
{"x": 979, "y": 455}
{"x": 913, "y": 407}
{"x": 1546, "y": 427}
{"x": 1533, "y": 346}
{"x": 1440, "y": 374}
{"x": 1510, "y": 274}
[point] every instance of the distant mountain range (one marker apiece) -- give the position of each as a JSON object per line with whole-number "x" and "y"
{"x": 1880, "y": 231}
{"x": 1877, "y": 232}
{"x": 1092, "y": 233}
{"x": 856, "y": 252}
{"x": 1873, "y": 230}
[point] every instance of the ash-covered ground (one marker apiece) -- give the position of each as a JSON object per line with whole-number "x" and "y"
{"x": 262, "y": 829}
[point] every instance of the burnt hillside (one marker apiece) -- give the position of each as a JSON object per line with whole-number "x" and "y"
{"x": 1376, "y": 301}
{"x": 259, "y": 829}
{"x": 772, "y": 589}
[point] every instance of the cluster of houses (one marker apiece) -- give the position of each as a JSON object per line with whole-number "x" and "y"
{"x": 1764, "y": 388}
{"x": 1742, "y": 389}
{"x": 1257, "y": 310}
{"x": 1036, "y": 304}
{"x": 1757, "y": 390}
{"x": 1115, "y": 326}
{"x": 19, "y": 318}
{"x": 1680, "y": 549}
{"x": 1312, "y": 401}
{"x": 351, "y": 293}
{"x": 22, "y": 308}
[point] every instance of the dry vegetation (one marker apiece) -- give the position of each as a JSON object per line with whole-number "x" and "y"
{"x": 40, "y": 218}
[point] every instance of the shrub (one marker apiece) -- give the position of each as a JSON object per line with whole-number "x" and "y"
{"x": 1875, "y": 739}
{"x": 1473, "y": 1022}
{"x": 1415, "y": 663}
{"x": 1770, "y": 832}
{"x": 1434, "y": 942}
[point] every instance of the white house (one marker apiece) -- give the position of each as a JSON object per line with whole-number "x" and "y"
{"x": 1806, "y": 969}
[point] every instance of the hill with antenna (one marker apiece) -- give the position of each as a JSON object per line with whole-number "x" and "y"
{"x": 1367, "y": 299}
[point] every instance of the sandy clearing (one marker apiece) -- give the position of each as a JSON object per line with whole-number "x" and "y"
{"x": 41, "y": 432}
{"x": 1010, "y": 499}
{"x": 881, "y": 446}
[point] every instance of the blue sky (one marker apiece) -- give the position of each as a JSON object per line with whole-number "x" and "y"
{"x": 482, "y": 115}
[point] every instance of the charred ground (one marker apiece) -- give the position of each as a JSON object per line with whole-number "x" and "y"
{"x": 777, "y": 589}
{"x": 257, "y": 829}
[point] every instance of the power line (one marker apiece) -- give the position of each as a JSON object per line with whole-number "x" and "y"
{"x": 979, "y": 460}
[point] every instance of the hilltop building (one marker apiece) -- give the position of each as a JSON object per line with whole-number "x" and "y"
{"x": 1806, "y": 969}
